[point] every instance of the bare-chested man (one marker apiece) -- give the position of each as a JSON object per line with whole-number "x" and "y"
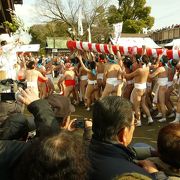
{"x": 32, "y": 75}
{"x": 83, "y": 82}
{"x": 100, "y": 72}
{"x": 50, "y": 74}
{"x": 136, "y": 61}
{"x": 92, "y": 87}
{"x": 140, "y": 76}
{"x": 21, "y": 69}
{"x": 69, "y": 79}
{"x": 177, "y": 119}
{"x": 152, "y": 66}
{"x": 171, "y": 72}
{"x": 42, "y": 84}
{"x": 162, "y": 73}
{"x": 112, "y": 74}
{"x": 129, "y": 81}
{"x": 61, "y": 70}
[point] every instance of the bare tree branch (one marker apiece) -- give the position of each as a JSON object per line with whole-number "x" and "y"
{"x": 67, "y": 11}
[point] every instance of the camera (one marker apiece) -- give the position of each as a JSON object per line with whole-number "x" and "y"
{"x": 23, "y": 85}
{"x": 7, "y": 96}
{"x": 8, "y": 88}
{"x": 79, "y": 123}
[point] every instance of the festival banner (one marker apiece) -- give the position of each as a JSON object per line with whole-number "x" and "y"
{"x": 117, "y": 31}
{"x": 80, "y": 26}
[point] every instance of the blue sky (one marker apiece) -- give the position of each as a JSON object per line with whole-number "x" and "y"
{"x": 166, "y": 12}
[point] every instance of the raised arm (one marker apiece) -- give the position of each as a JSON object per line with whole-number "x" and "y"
{"x": 44, "y": 117}
{"x": 82, "y": 64}
{"x": 118, "y": 54}
{"x": 110, "y": 48}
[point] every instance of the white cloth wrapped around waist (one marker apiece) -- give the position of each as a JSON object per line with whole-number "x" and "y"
{"x": 100, "y": 76}
{"x": 113, "y": 81}
{"x": 162, "y": 81}
{"x": 32, "y": 84}
{"x": 140, "y": 85}
{"x": 50, "y": 76}
{"x": 92, "y": 82}
{"x": 149, "y": 84}
{"x": 84, "y": 77}
{"x": 130, "y": 82}
{"x": 170, "y": 83}
{"x": 61, "y": 75}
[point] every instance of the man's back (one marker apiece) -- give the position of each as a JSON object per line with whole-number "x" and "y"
{"x": 32, "y": 75}
{"x": 111, "y": 70}
{"x": 142, "y": 75}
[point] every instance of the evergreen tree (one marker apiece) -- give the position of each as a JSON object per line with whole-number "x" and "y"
{"x": 134, "y": 14}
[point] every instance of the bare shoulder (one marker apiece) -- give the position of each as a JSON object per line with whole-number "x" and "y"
{"x": 37, "y": 72}
{"x": 161, "y": 69}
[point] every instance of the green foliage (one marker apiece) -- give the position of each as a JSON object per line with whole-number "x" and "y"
{"x": 39, "y": 32}
{"x": 134, "y": 14}
{"x": 10, "y": 26}
{"x": 113, "y": 15}
{"x": 132, "y": 26}
{"x": 15, "y": 25}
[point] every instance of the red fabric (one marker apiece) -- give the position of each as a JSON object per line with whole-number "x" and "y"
{"x": 70, "y": 82}
{"x": 20, "y": 77}
{"x": 41, "y": 80}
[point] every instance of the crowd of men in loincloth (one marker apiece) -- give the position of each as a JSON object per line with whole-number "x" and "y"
{"x": 148, "y": 82}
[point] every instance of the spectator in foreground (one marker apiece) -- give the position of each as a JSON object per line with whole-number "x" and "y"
{"x": 113, "y": 128}
{"x": 60, "y": 157}
{"x": 168, "y": 144}
{"x": 132, "y": 176}
{"x": 47, "y": 122}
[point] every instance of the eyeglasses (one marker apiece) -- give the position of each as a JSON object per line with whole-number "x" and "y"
{"x": 134, "y": 124}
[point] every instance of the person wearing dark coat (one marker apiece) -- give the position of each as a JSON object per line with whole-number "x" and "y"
{"x": 12, "y": 145}
{"x": 109, "y": 154}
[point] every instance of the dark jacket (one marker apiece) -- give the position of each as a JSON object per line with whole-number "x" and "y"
{"x": 12, "y": 150}
{"x": 110, "y": 160}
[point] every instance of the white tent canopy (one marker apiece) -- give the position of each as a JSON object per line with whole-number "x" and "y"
{"x": 137, "y": 42}
{"x": 29, "y": 48}
{"x": 175, "y": 44}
